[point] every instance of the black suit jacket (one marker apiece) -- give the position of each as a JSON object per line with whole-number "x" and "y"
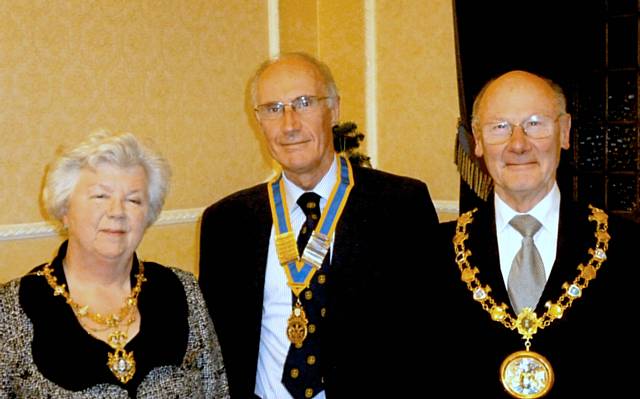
{"x": 379, "y": 254}
{"x": 587, "y": 347}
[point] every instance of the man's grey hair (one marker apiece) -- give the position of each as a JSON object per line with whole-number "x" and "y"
{"x": 329, "y": 83}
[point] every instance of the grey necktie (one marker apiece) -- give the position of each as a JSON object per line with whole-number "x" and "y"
{"x": 527, "y": 277}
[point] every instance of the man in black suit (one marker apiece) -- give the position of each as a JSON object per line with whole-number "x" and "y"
{"x": 573, "y": 287}
{"x": 350, "y": 297}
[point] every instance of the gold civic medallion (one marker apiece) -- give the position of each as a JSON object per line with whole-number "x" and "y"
{"x": 526, "y": 374}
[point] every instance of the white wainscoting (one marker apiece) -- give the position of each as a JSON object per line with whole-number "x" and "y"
{"x": 22, "y": 231}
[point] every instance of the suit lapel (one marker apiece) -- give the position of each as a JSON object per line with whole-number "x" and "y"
{"x": 342, "y": 248}
{"x": 263, "y": 227}
{"x": 575, "y": 234}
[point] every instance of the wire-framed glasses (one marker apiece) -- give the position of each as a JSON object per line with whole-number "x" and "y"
{"x": 535, "y": 127}
{"x": 301, "y": 105}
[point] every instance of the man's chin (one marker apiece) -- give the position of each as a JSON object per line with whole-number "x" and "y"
{"x": 521, "y": 183}
{"x": 296, "y": 160}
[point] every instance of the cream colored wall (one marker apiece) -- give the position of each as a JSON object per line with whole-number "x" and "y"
{"x": 417, "y": 103}
{"x": 333, "y": 31}
{"x": 175, "y": 73}
{"x": 418, "y": 96}
{"x": 342, "y": 46}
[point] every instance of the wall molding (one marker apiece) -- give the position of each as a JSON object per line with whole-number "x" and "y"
{"x": 371, "y": 85}
{"x": 23, "y": 231}
{"x": 273, "y": 22}
{"x": 446, "y": 206}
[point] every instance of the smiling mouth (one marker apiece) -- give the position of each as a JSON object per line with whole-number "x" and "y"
{"x": 295, "y": 143}
{"x": 109, "y": 231}
{"x": 521, "y": 164}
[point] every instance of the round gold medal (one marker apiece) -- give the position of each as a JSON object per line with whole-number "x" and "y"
{"x": 526, "y": 374}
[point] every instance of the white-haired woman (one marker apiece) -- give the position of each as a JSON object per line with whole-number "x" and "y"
{"x": 96, "y": 321}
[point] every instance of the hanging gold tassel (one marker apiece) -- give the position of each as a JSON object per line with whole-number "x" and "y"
{"x": 470, "y": 169}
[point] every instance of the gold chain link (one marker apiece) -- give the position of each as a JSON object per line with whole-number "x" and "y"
{"x": 527, "y": 322}
{"x": 110, "y": 321}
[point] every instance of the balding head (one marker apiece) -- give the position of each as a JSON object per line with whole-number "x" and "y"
{"x": 513, "y": 83}
{"x": 318, "y": 67}
{"x": 520, "y": 126}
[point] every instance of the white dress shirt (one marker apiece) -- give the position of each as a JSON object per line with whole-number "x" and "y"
{"x": 547, "y": 212}
{"x": 277, "y": 303}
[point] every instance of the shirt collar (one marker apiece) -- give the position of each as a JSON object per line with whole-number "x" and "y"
{"x": 546, "y": 211}
{"x": 323, "y": 188}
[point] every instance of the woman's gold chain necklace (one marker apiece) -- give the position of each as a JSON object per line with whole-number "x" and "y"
{"x": 527, "y": 322}
{"x": 121, "y": 363}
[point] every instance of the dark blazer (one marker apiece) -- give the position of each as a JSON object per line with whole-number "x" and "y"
{"x": 587, "y": 347}
{"x": 379, "y": 256}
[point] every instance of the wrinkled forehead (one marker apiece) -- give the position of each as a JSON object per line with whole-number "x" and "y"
{"x": 517, "y": 96}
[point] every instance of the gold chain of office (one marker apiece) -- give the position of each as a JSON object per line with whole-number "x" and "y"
{"x": 121, "y": 363}
{"x": 112, "y": 320}
{"x": 527, "y": 322}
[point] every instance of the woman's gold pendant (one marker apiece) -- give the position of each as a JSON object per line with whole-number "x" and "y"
{"x": 121, "y": 363}
{"x": 526, "y": 374}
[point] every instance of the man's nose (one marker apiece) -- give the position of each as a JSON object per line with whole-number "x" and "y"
{"x": 518, "y": 139}
{"x": 290, "y": 118}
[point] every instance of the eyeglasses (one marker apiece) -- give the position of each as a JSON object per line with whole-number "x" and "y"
{"x": 535, "y": 127}
{"x": 301, "y": 105}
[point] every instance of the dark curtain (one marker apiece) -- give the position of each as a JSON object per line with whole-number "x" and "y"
{"x": 564, "y": 40}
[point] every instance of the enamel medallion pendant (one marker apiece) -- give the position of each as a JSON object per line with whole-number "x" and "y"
{"x": 526, "y": 374}
{"x": 297, "y": 326}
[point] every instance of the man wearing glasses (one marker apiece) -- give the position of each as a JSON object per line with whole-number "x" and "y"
{"x": 333, "y": 315}
{"x": 536, "y": 286}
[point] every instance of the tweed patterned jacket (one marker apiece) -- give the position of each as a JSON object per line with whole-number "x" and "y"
{"x": 200, "y": 374}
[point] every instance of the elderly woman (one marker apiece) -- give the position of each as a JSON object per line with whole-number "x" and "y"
{"x": 97, "y": 321}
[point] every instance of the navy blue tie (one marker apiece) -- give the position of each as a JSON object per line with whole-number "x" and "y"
{"x": 302, "y": 374}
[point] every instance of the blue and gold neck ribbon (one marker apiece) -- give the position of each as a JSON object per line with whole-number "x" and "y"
{"x": 300, "y": 270}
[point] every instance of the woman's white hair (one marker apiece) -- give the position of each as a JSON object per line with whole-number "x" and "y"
{"x": 103, "y": 147}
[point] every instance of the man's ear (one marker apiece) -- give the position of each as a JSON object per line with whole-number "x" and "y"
{"x": 477, "y": 139}
{"x": 565, "y": 131}
{"x": 335, "y": 111}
